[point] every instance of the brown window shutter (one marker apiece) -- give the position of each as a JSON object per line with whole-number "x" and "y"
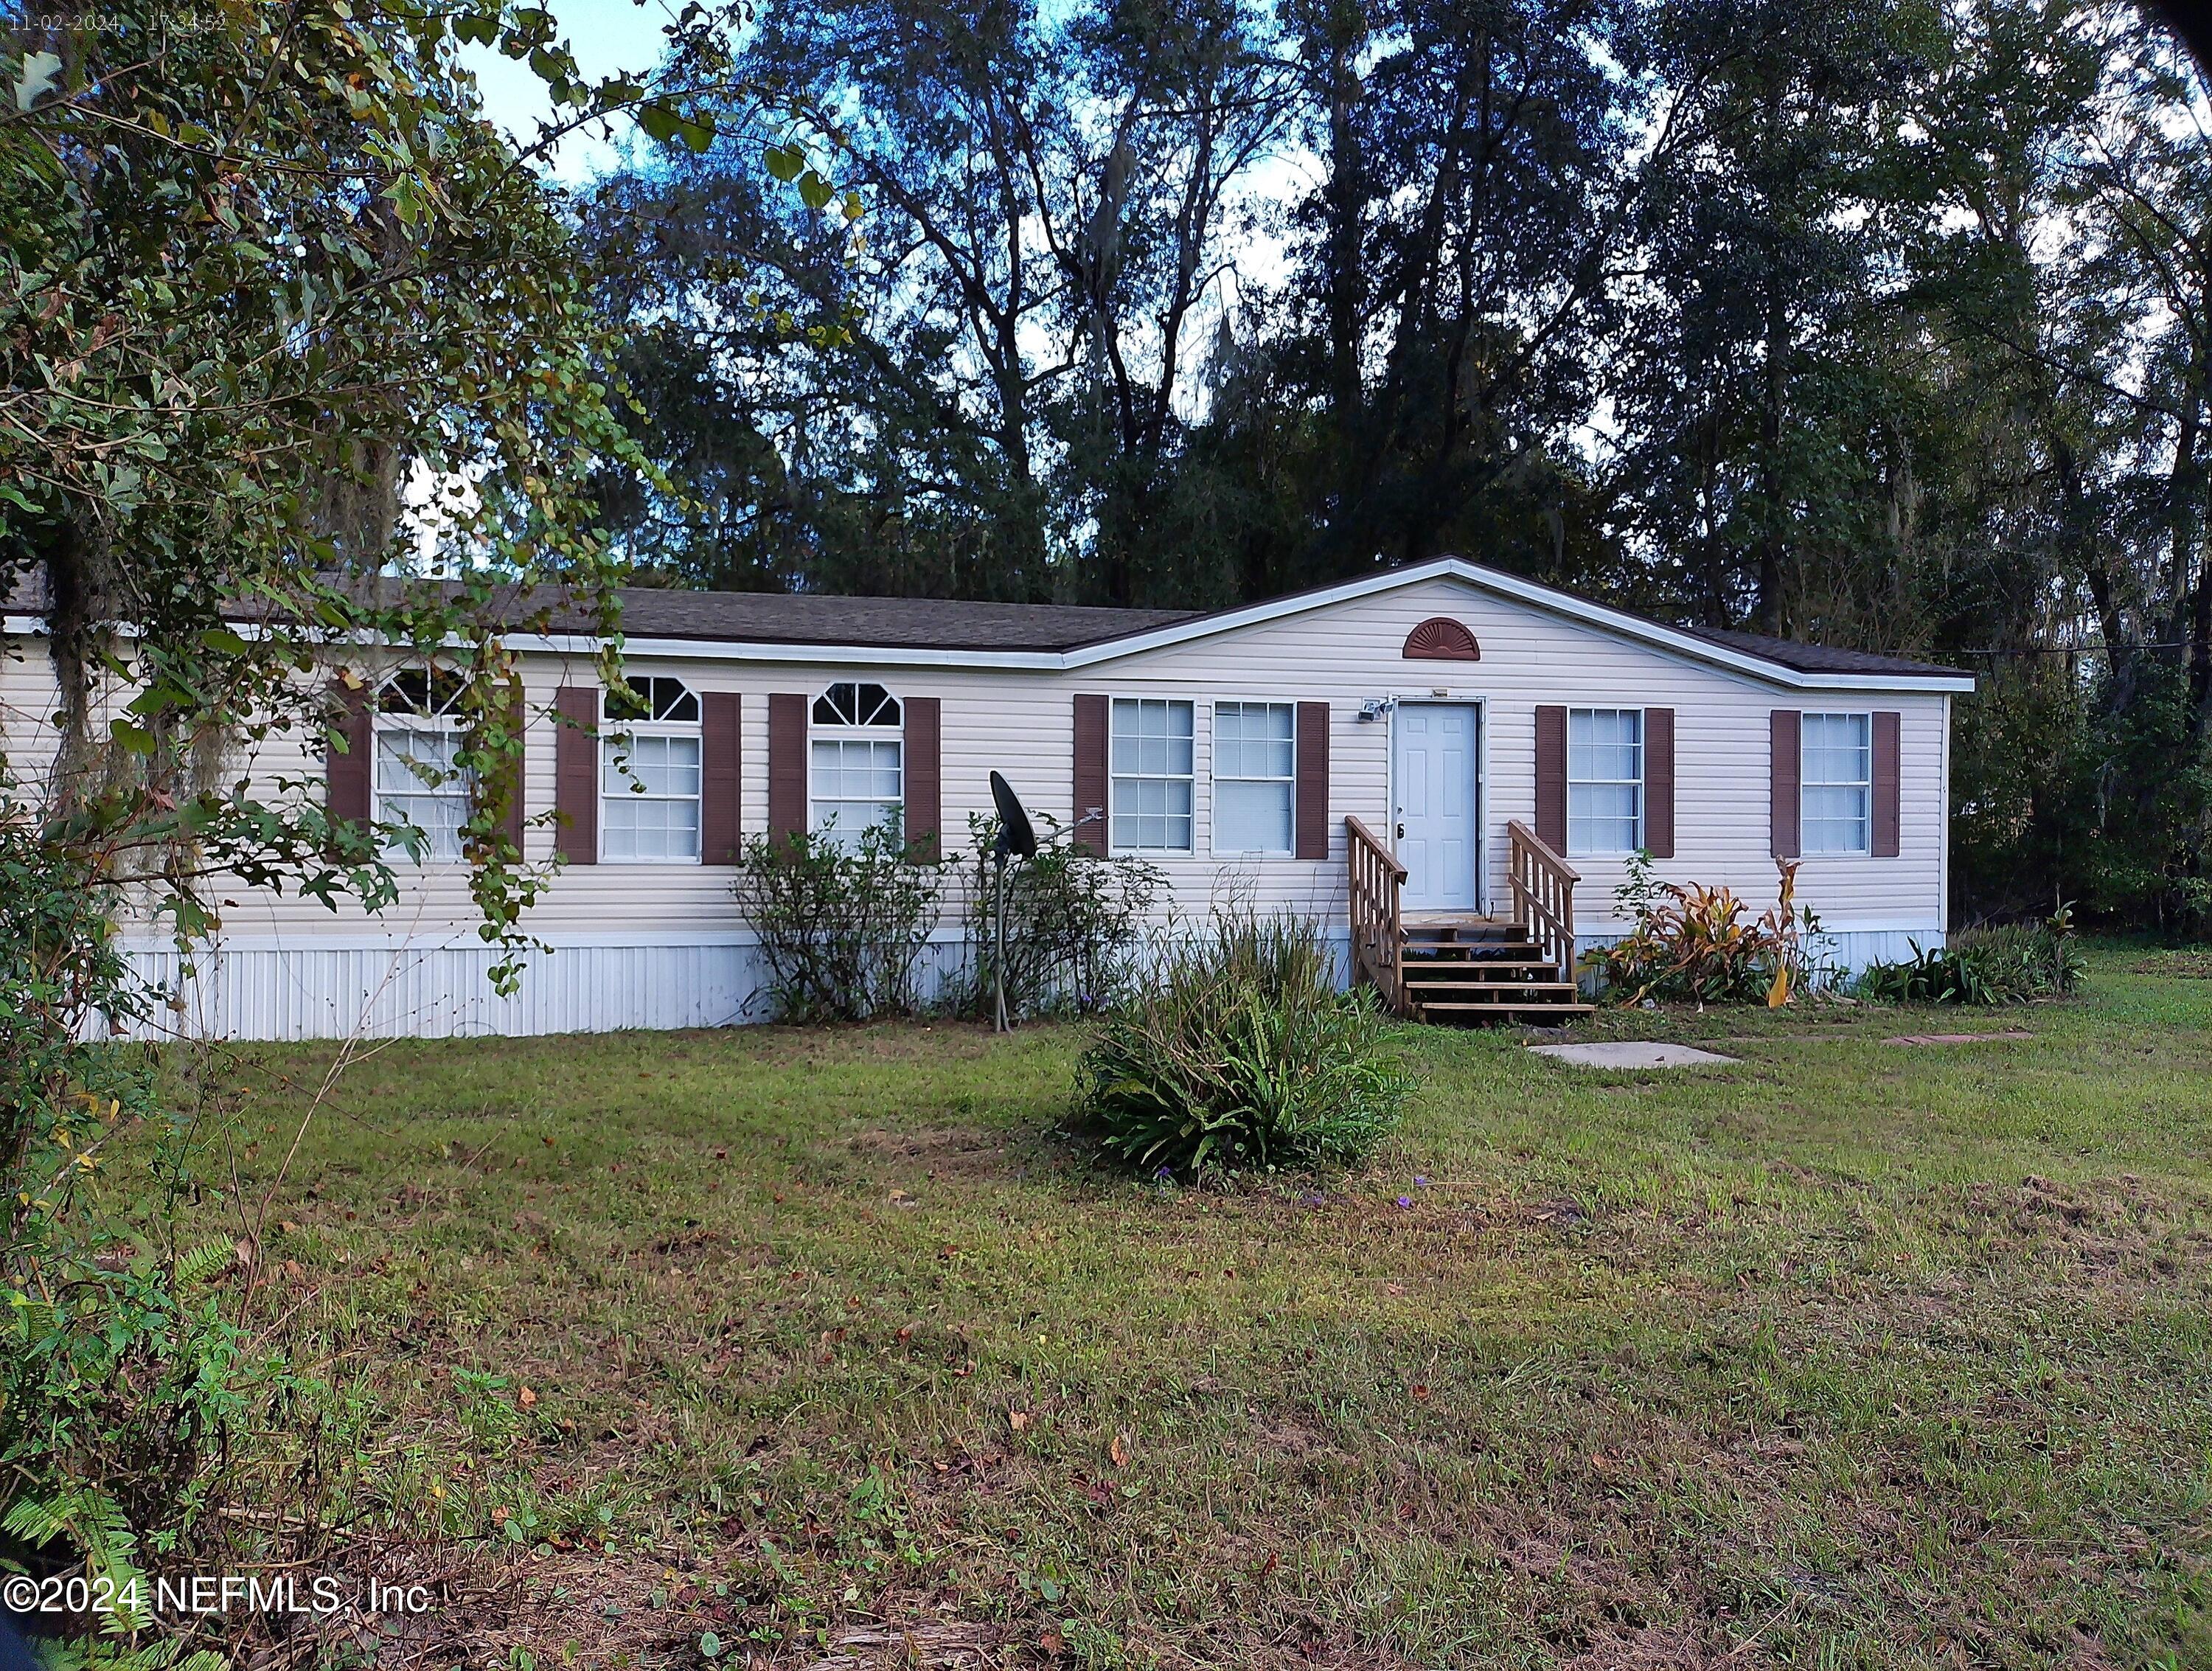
{"x": 1659, "y": 782}
{"x": 576, "y": 774}
{"x": 346, "y": 771}
{"x": 721, "y": 740}
{"x": 924, "y": 774}
{"x": 787, "y": 764}
{"x": 1889, "y": 785}
{"x": 517, "y": 773}
{"x": 1784, "y": 764}
{"x": 1091, "y": 810}
{"x": 1311, "y": 814}
{"x": 1552, "y": 776}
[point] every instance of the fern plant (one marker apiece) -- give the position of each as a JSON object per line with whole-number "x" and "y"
{"x": 119, "y": 1383}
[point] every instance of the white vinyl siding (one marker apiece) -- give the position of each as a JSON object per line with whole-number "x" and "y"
{"x": 1151, "y": 798}
{"x": 1837, "y": 783}
{"x": 1254, "y": 776}
{"x": 1605, "y": 779}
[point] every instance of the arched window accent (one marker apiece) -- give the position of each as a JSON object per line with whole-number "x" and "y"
{"x": 857, "y": 757}
{"x": 653, "y": 697}
{"x": 1440, "y": 638}
{"x": 419, "y": 779}
{"x": 856, "y": 705}
{"x": 649, "y": 772}
{"x": 421, "y": 693}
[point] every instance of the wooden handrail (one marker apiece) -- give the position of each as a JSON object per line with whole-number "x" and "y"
{"x": 1377, "y": 931}
{"x": 1543, "y": 895}
{"x": 1373, "y": 843}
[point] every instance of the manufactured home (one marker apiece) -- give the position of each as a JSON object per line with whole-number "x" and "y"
{"x": 1434, "y": 754}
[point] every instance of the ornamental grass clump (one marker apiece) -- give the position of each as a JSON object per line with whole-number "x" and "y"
{"x": 1242, "y": 1055}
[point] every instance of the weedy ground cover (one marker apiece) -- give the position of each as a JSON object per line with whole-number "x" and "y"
{"x": 665, "y": 1349}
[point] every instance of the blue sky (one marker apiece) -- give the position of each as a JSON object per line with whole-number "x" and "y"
{"x": 607, "y": 35}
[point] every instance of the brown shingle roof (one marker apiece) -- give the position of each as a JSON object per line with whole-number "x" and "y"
{"x": 777, "y": 618}
{"x": 763, "y": 617}
{"x": 938, "y": 624}
{"x": 1818, "y": 657}
{"x": 933, "y": 624}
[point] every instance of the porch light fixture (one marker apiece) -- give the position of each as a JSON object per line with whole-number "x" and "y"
{"x": 1373, "y": 709}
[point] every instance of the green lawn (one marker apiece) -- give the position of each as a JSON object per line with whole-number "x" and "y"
{"x": 1854, "y": 1353}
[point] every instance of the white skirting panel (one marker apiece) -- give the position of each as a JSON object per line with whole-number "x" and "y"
{"x": 266, "y": 989}
{"x": 270, "y": 990}
{"x": 389, "y": 990}
{"x": 1851, "y": 952}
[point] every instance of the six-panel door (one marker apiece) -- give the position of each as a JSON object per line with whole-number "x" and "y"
{"x": 1437, "y": 785}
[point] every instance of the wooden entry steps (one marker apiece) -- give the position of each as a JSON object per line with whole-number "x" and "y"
{"x": 1471, "y": 971}
{"x": 1458, "y": 969}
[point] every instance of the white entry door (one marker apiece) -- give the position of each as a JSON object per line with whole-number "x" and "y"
{"x": 1439, "y": 792}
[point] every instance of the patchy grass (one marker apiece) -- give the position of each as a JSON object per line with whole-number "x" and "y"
{"x": 1853, "y": 1354}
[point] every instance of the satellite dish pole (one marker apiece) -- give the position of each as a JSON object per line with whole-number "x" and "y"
{"x": 1015, "y": 837}
{"x": 999, "y": 1022}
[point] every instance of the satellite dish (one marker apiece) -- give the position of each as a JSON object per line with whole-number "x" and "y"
{"x": 1015, "y": 835}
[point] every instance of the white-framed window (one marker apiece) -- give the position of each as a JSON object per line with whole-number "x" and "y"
{"x": 1605, "y": 779}
{"x": 1149, "y": 799}
{"x": 649, "y": 772}
{"x": 857, "y": 761}
{"x": 1254, "y": 776}
{"x": 419, "y": 779}
{"x": 1836, "y": 783}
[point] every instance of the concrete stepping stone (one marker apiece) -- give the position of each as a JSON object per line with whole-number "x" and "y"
{"x": 1632, "y": 1053}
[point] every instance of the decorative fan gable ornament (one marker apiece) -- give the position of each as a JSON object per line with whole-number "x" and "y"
{"x": 1440, "y": 638}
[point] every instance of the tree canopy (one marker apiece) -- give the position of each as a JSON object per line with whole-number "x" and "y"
{"x": 1887, "y": 329}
